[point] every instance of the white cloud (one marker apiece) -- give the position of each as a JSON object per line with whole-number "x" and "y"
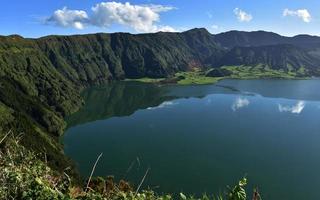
{"x": 142, "y": 18}
{"x": 68, "y": 18}
{"x": 296, "y": 109}
{"x": 301, "y": 13}
{"x": 242, "y": 15}
{"x": 159, "y": 8}
{"x": 240, "y": 103}
{"x": 166, "y": 29}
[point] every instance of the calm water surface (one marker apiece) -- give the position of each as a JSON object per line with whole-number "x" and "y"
{"x": 199, "y": 139}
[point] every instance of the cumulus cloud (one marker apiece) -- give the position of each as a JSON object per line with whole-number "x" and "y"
{"x": 300, "y": 13}
{"x": 142, "y": 18}
{"x": 240, "y": 103}
{"x": 242, "y": 16}
{"x": 296, "y": 109}
{"x": 68, "y": 18}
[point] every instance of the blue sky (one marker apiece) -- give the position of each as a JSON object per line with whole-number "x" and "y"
{"x": 34, "y": 18}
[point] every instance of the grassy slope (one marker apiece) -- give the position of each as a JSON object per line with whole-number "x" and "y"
{"x": 34, "y": 98}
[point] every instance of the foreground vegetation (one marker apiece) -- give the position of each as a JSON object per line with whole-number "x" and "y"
{"x": 24, "y": 176}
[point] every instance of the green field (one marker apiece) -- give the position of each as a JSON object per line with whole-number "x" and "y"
{"x": 196, "y": 77}
{"x": 238, "y": 72}
{"x": 182, "y": 78}
{"x": 146, "y": 80}
{"x": 248, "y": 72}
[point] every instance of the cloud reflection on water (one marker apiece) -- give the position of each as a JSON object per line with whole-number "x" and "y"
{"x": 163, "y": 105}
{"x": 239, "y": 103}
{"x": 295, "y": 109}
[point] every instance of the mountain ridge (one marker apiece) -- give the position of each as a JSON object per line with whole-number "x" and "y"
{"x": 193, "y": 29}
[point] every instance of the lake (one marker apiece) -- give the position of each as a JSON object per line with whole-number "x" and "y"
{"x": 199, "y": 139}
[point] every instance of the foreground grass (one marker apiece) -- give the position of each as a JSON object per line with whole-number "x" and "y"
{"x": 24, "y": 176}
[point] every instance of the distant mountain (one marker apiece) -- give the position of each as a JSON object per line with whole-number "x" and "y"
{"x": 232, "y": 39}
{"x": 284, "y": 57}
{"x": 270, "y": 50}
{"x": 41, "y": 79}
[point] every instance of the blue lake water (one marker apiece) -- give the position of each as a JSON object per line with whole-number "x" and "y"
{"x": 198, "y": 139}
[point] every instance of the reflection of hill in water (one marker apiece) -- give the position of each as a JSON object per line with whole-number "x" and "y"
{"x": 124, "y": 98}
{"x": 118, "y": 99}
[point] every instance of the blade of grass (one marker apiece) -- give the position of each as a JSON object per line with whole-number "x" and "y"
{"x": 141, "y": 182}
{"x": 92, "y": 171}
{"x": 5, "y": 137}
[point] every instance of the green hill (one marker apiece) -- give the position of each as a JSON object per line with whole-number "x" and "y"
{"x": 284, "y": 57}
